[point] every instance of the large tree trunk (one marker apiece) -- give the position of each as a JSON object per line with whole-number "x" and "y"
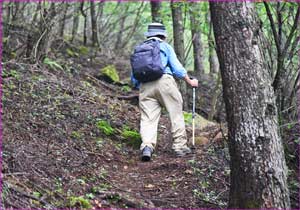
{"x": 258, "y": 168}
{"x": 155, "y": 11}
{"x": 196, "y": 39}
{"x": 94, "y": 24}
{"x": 178, "y": 33}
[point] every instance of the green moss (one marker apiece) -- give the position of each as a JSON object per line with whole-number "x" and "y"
{"x": 132, "y": 137}
{"x": 79, "y": 201}
{"x": 105, "y": 127}
{"x": 111, "y": 72}
{"x": 187, "y": 117}
{"x": 83, "y": 50}
{"x": 126, "y": 88}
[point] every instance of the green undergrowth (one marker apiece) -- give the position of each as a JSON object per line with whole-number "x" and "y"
{"x": 111, "y": 72}
{"x": 132, "y": 137}
{"x": 105, "y": 127}
{"x": 79, "y": 202}
{"x": 52, "y": 64}
{"x": 187, "y": 117}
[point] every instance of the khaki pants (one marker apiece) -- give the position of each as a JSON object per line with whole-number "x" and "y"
{"x": 154, "y": 95}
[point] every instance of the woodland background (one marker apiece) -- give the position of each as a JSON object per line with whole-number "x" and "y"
{"x": 70, "y": 116}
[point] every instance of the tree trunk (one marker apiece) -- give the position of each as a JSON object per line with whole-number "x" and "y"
{"x": 85, "y": 23}
{"x": 155, "y": 12}
{"x": 258, "y": 168}
{"x": 179, "y": 44}
{"x": 215, "y": 95}
{"x": 63, "y": 20}
{"x": 178, "y": 30}
{"x": 94, "y": 24}
{"x": 46, "y": 32}
{"x": 213, "y": 58}
{"x": 196, "y": 39}
{"x": 75, "y": 21}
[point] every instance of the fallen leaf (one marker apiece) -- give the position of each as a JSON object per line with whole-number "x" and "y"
{"x": 149, "y": 186}
{"x": 188, "y": 171}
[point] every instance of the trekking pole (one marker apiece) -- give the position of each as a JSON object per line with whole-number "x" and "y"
{"x": 193, "y": 117}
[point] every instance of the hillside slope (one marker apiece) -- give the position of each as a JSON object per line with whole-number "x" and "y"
{"x": 70, "y": 139}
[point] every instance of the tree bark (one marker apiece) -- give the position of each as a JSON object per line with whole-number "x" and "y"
{"x": 196, "y": 39}
{"x": 258, "y": 168}
{"x": 94, "y": 24}
{"x": 213, "y": 58}
{"x": 178, "y": 30}
{"x": 75, "y": 21}
{"x": 63, "y": 21}
{"x": 155, "y": 11}
{"x": 85, "y": 23}
{"x": 179, "y": 44}
{"x": 46, "y": 32}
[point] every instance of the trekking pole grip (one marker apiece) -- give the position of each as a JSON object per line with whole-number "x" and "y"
{"x": 191, "y": 78}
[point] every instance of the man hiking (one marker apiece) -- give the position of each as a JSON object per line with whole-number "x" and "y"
{"x": 156, "y": 93}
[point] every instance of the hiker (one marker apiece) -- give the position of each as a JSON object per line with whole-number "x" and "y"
{"x": 161, "y": 92}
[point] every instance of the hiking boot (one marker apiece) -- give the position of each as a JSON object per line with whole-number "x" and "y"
{"x": 183, "y": 151}
{"x": 146, "y": 154}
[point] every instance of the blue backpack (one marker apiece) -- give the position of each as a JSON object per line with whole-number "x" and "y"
{"x": 146, "y": 62}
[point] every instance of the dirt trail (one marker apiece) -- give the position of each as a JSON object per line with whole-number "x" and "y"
{"x": 166, "y": 181}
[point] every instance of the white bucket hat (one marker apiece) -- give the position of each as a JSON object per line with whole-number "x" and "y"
{"x": 156, "y": 29}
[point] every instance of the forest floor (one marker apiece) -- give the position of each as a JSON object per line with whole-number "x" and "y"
{"x": 56, "y": 152}
{"x": 68, "y": 141}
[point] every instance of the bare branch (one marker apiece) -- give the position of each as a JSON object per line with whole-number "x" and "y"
{"x": 276, "y": 38}
{"x": 294, "y": 28}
